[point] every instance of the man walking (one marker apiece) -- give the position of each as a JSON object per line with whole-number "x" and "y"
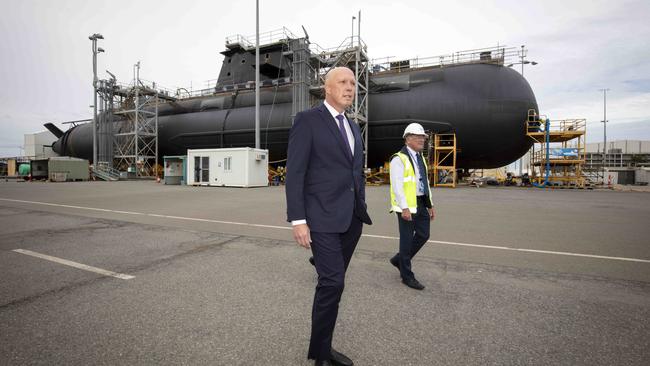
{"x": 410, "y": 198}
{"x": 325, "y": 188}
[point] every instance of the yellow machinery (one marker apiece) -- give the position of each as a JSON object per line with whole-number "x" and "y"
{"x": 379, "y": 176}
{"x": 558, "y": 154}
{"x": 276, "y": 175}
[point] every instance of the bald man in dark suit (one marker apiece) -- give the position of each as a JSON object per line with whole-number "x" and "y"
{"x": 325, "y": 188}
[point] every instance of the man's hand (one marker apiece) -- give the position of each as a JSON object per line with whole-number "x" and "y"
{"x": 406, "y": 214}
{"x": 302, "y": 236}
{"x": 432, "y": 213}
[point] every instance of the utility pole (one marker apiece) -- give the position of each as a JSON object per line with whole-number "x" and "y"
{"x": 604, "y": 121}
{"x": 257, "y": 74}
{"x": 352, "y": 37}
{"x": 95, "y": 50}
{"x": 136, "y": 74}
{"x": 136, "y": 123}
{"x": 522, "y": 60}
{"x": 522, "y": 56}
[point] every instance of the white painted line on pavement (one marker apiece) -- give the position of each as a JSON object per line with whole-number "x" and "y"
{"x": 75, "y": 264}
{"x": 545, "y": 252}
{"x": 521, "y": 249}
{"x": 365, "y": 235}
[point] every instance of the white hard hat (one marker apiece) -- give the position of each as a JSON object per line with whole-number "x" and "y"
{"x": 414, "y": 129}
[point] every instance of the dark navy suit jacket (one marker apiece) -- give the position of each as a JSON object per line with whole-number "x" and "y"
{"x": 324, "y": 184}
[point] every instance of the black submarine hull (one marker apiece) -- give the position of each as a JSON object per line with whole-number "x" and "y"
{"x": 484, "y": 104}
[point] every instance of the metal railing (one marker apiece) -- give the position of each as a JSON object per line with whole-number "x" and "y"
{"x": 274, "y": 36}
{"x": 152, "y": 85}
{"x": 348, "y": 42}
{"x": 565, "y": 125}
{"x": 499, "y": 55}
{"x": 105, "y": 172}
{"x": 491, "y": 55}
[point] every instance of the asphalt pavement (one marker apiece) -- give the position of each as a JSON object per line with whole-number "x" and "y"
{"x": 513, "y": 276}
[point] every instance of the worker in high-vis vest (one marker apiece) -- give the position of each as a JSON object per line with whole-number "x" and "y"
{"x": 410, "y": 199}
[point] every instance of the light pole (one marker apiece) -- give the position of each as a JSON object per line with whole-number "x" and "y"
{"x": 604, "y": 121}
{"x": 352, "y": 37}
{"x": 257, "y": 75}
{"x": 522, "y": 60}
{"x": 136, "y": 74}
{"x": 96, "y": 50}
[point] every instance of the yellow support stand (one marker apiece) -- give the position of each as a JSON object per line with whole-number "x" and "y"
{"x": 444, "y": 160}
{"x": 566, "y": 157}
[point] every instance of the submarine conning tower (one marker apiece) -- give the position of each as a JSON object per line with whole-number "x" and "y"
{"x": 288, "y": 59}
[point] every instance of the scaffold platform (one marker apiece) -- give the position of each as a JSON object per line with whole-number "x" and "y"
{"x": 444, "y": 160}
{"x": 558, "y": 153}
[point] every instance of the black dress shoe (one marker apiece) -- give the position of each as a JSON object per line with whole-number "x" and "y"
{"x": 395, "y": 262}
{"x": 323, "y": 363}
{"x": 340, "y": 359}
{"x": 413, "y": 283}
{"x": 311, "y": 260}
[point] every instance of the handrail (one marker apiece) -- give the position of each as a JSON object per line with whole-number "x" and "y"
{"x": 348, "y": 42}
{"x": 102, "y": 168}
{"x": 490, "y": 55}
{"x": 151, "y": 85}
{"x": 563, "y": 125}
{"x": 272, "y": 36}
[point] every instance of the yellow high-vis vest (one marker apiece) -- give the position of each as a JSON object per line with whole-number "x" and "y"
{"x": 410, "y": 185}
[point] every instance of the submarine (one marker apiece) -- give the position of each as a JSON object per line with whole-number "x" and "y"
{"x": 483, "y": 102}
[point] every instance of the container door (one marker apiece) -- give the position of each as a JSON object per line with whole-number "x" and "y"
{"x": 197, "y": 169}
{"x": 201, "y": 169}
{"x": 205, "y": 169}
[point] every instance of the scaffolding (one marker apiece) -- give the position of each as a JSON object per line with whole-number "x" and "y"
{"x": 135, "y": 139}
{"x": 443, "y": 172}
{"x": 106, "y": 94}
{"x": 301, "y": 74}
{"x": 558, "y": 155}
{"x": 128, "y": 128}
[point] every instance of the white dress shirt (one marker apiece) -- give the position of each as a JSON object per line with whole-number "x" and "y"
{"x": 348, "y": 131}
{"x": 397, "y": 178}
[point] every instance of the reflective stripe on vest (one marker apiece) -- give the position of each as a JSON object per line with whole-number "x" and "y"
{"x": 410, "y": 186}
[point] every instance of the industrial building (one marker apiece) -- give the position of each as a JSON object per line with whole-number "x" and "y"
{"x": 620, "y": 153}
{"x": 626, "y": 162}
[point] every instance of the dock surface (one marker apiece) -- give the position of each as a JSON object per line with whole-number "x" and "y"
{"x": 204, "y": 275}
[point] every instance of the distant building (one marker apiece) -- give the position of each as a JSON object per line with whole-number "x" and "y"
{"x": 621, "y": 147}
{"x": 620, "y": 153}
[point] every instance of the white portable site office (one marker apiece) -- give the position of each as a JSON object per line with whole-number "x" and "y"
{"x": 231, "y": 167}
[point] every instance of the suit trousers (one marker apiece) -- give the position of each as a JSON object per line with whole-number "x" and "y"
{"x": 412, "y": 236}
{"x": 332, "y": 253}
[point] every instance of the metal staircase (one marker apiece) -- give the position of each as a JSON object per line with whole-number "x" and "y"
{"x": 105, "y": 172}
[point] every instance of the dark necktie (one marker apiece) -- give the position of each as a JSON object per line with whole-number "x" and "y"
{"x": 423, "y": 175}
{"x": 345, "y": 134}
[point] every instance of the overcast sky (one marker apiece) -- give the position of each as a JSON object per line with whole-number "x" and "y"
{"x": 580, "y": 47}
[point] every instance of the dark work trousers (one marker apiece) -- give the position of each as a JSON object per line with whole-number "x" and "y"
{"x": 332, "y": 254}
{"x": 412, "y": 236}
